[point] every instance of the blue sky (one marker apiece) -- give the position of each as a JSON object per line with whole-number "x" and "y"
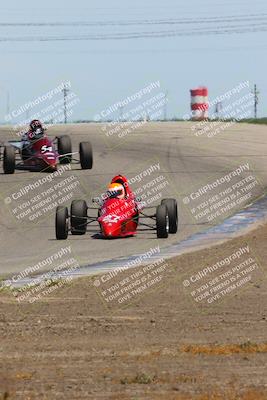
{"x": 105, "y": 71}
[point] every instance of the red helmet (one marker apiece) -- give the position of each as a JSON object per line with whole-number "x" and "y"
{"x": 36, "y": 130}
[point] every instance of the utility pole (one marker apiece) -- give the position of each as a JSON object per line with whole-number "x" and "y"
{"x": 218, "y": 108}
{"x": 7, "y": 103}
{"x": 120, "y": 113}
{"x": 256, "y": 100}
{"x": 27, "y": 115}
{"x": 65, "y": 92}
{"x": 165, "y": 105}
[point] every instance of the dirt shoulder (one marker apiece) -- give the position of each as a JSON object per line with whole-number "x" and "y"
{"x": 163, "y": 343}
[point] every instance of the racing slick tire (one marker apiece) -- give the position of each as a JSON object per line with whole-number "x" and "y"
{"x": 62, "y": 227}
{"x": 162, "y": 221}
{"x": 86, "y": 155}
{"x": 78, "y": 217}
{"x": 64, "y": 146}
{"x": 9, "y": 160}
{"x": 171, "y": 205}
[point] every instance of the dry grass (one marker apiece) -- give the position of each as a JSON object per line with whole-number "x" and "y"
{"x": 229, "y": 395}
{"x": 225, "y": 349}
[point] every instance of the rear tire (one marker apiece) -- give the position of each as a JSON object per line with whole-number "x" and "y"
{"x": 9, "y": 161}
{"x": 162, "y": 222}
{"x": 78, "y": 217}
{"x": 86, "y": 155}
{"x": 171, "y": 205}
{"x": 64, "y": 146}
{"x": 62, "y": 225}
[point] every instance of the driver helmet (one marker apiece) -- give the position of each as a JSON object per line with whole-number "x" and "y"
{"x": 36, "y": 130}
{"x": 116, "y": 190}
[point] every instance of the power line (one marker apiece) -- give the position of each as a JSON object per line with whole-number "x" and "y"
{"x": 169, "y": 21}
{"x": 140, "y": 35}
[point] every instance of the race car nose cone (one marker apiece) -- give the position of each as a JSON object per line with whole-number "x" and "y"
{"x": 109, "y": 230}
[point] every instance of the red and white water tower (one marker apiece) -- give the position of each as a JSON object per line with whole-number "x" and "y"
{"x": 199, "y": 103}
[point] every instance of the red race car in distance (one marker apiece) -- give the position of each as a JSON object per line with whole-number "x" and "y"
{"x": 45, "y": 154}
{"x": 119, "y": 214}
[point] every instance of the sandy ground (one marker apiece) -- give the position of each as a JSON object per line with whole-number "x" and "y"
{"x": 72, "y": 344}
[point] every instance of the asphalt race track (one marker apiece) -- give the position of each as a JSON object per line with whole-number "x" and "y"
{"x": 177, "y": 157}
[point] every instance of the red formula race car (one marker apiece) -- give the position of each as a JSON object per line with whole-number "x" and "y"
{"x": 119, "y": 214}
{"x": 45, "y": 154}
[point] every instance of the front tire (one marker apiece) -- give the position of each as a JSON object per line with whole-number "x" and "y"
{"x": 64, "y": 146}
{"x": 172, "y": 209}
{"x": 62, "y": 226}
{"x": 86, "y": 155}
{"x": 162, "y": 223}
{"x": 78, "y": 217}
{"x": 9, "y": 162}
